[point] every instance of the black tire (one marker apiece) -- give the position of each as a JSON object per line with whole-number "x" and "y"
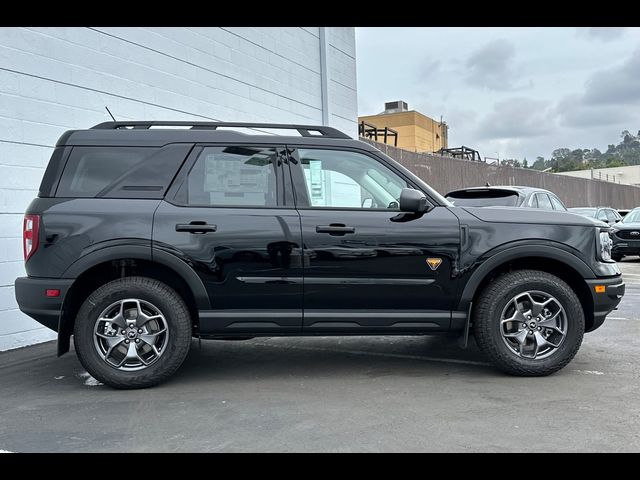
{"x": 488, "y": 311}
{"x": 617, "y": 258}
{"x": 157, "y": 293}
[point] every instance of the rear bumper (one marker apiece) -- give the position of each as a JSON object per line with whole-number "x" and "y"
{"x": 32, "y": 299}
{"x": 604, "y": 303}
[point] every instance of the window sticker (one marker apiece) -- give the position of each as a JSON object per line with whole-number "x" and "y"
{"x": 315, "y": 177}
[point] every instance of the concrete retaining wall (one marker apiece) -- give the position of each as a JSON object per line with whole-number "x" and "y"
{"x": 446, "y": 174}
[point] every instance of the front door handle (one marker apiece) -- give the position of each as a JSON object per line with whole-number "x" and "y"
{"x": 196, "y": 227}
{"x": 335, "y": 229}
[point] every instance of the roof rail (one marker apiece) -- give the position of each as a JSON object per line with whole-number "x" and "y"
{"x": 303, "y": 130}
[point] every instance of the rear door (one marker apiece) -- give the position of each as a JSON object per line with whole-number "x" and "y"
{"x": 368, "y": 266}
{"x": 230, "y": 215}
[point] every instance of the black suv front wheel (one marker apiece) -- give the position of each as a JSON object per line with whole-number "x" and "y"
{"x": 529, "y": 323}
{"x": 133, "y": 332}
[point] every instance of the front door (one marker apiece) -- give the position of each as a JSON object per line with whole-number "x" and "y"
{"x": 368, "y": 265}
{"x": 230, "y": 215}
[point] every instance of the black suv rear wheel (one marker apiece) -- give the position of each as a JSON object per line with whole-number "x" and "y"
{"x": 133, "y": 332}
{"x": 529, "y": 323}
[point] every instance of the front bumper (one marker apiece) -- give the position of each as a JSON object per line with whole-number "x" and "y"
{"x": 625, "y": 246}
{"x": 32, "y": 299}
{"x": 625, "y": 249}
{"x": 604, "y": 303}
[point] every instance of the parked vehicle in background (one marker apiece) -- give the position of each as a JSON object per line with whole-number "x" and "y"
{"x": 626, "y": 236}
{"x": 511, "y": 196}
{"x": 605, "y": 214}
{"x": 506, "y": 196}
{"x": 623, "y": 212}
{"x": 144, "y": 235}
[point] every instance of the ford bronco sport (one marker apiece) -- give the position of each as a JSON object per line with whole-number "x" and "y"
{"x": 147, "y": 234}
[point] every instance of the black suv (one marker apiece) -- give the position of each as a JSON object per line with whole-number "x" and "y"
{"x": 146, "y": 234}
{"x": 626, "y": 235}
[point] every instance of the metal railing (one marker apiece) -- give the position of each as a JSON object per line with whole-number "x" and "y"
{"x": 372, "y": 132}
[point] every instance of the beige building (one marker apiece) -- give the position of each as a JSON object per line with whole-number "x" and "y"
{"x": 415, "y": 131}
{"x": 629, "y": 175}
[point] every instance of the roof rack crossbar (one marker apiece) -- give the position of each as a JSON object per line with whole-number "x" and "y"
{"x": 303, "y": 130}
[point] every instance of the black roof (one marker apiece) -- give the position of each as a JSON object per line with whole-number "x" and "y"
{"x": 514, "y": 188}
{"x": 147, "y": 133}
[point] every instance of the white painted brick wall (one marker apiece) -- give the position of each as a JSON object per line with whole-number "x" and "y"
{"x": 55, "y": 79}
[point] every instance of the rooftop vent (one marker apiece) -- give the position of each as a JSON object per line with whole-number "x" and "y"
{"x": 395, "y": 107}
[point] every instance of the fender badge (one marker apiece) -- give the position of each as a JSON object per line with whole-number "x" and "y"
{"x": 434, "y": 263}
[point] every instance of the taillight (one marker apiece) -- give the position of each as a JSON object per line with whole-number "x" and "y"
{"x": 30, "y": 235}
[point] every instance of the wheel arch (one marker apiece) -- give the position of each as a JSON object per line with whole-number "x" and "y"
{"x": 556, "y": 261}
{"x": 111, "y": 263}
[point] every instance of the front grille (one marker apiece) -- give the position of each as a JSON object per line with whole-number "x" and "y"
{"x": 628, "y": 234}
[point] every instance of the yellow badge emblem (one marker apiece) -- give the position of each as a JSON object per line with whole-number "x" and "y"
{"x": 434, "y": 263}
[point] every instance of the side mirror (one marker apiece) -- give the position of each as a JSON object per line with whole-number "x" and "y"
{"x": 413, "y": 201}
{"x": 367, "y": 203}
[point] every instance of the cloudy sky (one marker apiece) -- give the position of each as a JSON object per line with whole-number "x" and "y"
{"x": 508, "y": 92}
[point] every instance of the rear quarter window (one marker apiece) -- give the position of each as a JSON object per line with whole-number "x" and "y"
{"x": 52, "y": 173}
{"x": 120, "y": 172}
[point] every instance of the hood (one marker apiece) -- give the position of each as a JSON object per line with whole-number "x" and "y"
{"x": 626, "y": 226}
{"x": 531, "y": 216}
{"x": 596, "y": 222}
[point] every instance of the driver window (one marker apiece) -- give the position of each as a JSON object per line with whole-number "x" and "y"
{"x": 344, "y": 179}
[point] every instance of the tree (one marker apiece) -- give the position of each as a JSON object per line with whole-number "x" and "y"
{"x": 539, "y": 164}
{"x": 511, "y": 162}
{"x": 615, "y": 162}
{"x": 626, "y": 152}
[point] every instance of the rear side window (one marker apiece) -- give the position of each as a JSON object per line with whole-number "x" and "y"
{"x": 233, "y": 176}
{"x": 543, "y": 201}
{"x": 557, "y": 204}
{"x": 484, "y": 198}
{"x": 120, "y": 172}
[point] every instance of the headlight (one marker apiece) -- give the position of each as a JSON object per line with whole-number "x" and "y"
{"x": 604, "y": 246}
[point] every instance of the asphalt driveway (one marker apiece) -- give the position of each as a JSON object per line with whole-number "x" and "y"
{"x": 335, "y": 394}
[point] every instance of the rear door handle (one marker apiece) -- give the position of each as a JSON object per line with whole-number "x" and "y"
{"x": 196, "y": 227}
{"x": 335, "y": 229}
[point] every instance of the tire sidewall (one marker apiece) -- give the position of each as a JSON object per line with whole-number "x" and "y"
{"x": 574, "y": 317}
{"x": 174, "y": 313}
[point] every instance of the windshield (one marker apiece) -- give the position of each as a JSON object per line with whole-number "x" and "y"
{"x": 483, "y": 198}
{"x": 632, "y": 217}
{"x": 586, "y": 212}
